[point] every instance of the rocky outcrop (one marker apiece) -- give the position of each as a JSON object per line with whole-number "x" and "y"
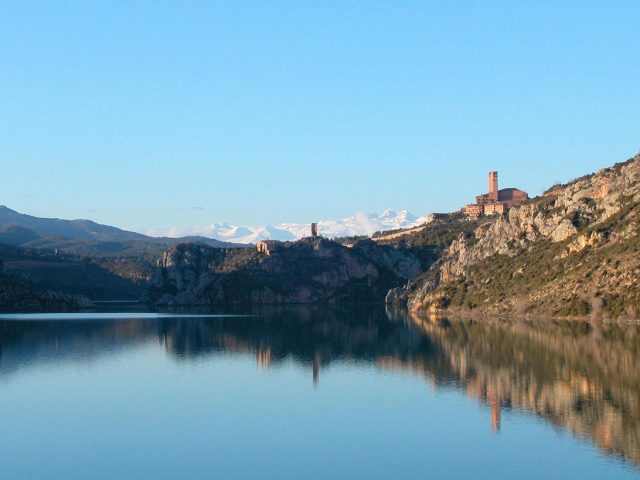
{"x": 562, "y": 253}
{"x": 307, "y": 271}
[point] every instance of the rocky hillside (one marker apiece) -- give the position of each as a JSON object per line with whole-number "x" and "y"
{"x": 306, "y": 271}
{"x": 574, "y": 251}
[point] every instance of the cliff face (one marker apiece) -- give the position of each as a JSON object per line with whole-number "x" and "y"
{"x": 573, "y": 251}
{"x": 307, "y": 271}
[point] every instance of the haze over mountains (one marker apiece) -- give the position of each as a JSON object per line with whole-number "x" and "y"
{"x": 19, "y": 229}
{"x": 357, "y": 224}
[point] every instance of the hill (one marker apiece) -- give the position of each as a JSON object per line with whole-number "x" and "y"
{"x": 23, "y": 230}
{"x": 56, "y": 227}
{"x": 94, "y": 278}
{"x": 574, "y": 251}
{"x": 310, "y": 270}
{"x": 18, "y": 295}
{"x": 81, "y": 257}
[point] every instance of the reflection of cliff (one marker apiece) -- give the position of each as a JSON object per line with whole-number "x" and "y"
{"x": 310, "y": 336}
{"x": 577, "y": 376}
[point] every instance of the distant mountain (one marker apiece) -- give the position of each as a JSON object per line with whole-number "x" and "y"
{"x": 76, "y": 258}
{"x": 56, "y": 227}
{"x": 358, "y": 224}
{"x": 21, "y": 229}
{"x": 17, "y": 235}
{"x": 37, "y": 232}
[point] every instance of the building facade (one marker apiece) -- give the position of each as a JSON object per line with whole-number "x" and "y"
{"x": 495, "y": 201}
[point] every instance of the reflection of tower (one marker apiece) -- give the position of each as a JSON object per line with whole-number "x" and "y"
{"x": 316, "y": 369}
{"x": 432, "y": 382}
{"x": 493, "y": 186}
{"x": 495, "y": 409}
{"x": 495, "y": 416}
{"x": 263, "y": 357}
{"x": 167, "y": 340}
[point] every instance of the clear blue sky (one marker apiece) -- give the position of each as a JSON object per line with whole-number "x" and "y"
{"x": 162, "y": 114}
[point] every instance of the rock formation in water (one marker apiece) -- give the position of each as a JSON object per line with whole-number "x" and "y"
{"x": 573, "y": 251}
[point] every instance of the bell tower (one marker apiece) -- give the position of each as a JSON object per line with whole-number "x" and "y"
{"x": 493, "y": 186}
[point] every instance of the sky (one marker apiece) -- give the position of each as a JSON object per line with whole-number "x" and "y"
{"x": 153, "y": 115}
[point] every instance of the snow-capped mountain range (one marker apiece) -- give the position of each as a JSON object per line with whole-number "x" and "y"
{"x": 358, "y": 224}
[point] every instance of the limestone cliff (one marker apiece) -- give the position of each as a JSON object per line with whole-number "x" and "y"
{"x": 307, "y": 271}
{"x": 572, "y": 251}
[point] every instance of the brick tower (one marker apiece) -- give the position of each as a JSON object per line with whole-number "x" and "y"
{"x": 493, "y": 186}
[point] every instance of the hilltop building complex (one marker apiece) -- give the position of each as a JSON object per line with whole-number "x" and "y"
{"x": 495, "y": 201}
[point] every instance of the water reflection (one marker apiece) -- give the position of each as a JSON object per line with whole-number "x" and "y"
{"x": 578, "y": 376}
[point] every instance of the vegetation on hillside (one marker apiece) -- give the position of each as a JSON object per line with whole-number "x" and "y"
{"x": 572, "y": 252}
{"x": 306, "y": 271}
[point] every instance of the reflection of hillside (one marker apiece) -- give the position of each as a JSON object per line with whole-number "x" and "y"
{"x": 37, "y": 342}
{"x": 579, "y": 376}
{"x": 309, "y": 336}
{"x": 576, "y": 375}
{"x": 582, "y": 377}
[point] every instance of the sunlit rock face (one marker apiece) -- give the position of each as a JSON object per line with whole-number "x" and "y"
{"x": 572, "y": 251}
{"x": 306, "y": 271}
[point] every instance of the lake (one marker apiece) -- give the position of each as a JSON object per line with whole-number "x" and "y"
{"x": 316, "y": 393}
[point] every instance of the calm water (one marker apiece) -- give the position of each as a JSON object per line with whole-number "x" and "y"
{"x": 305, "y": 394}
